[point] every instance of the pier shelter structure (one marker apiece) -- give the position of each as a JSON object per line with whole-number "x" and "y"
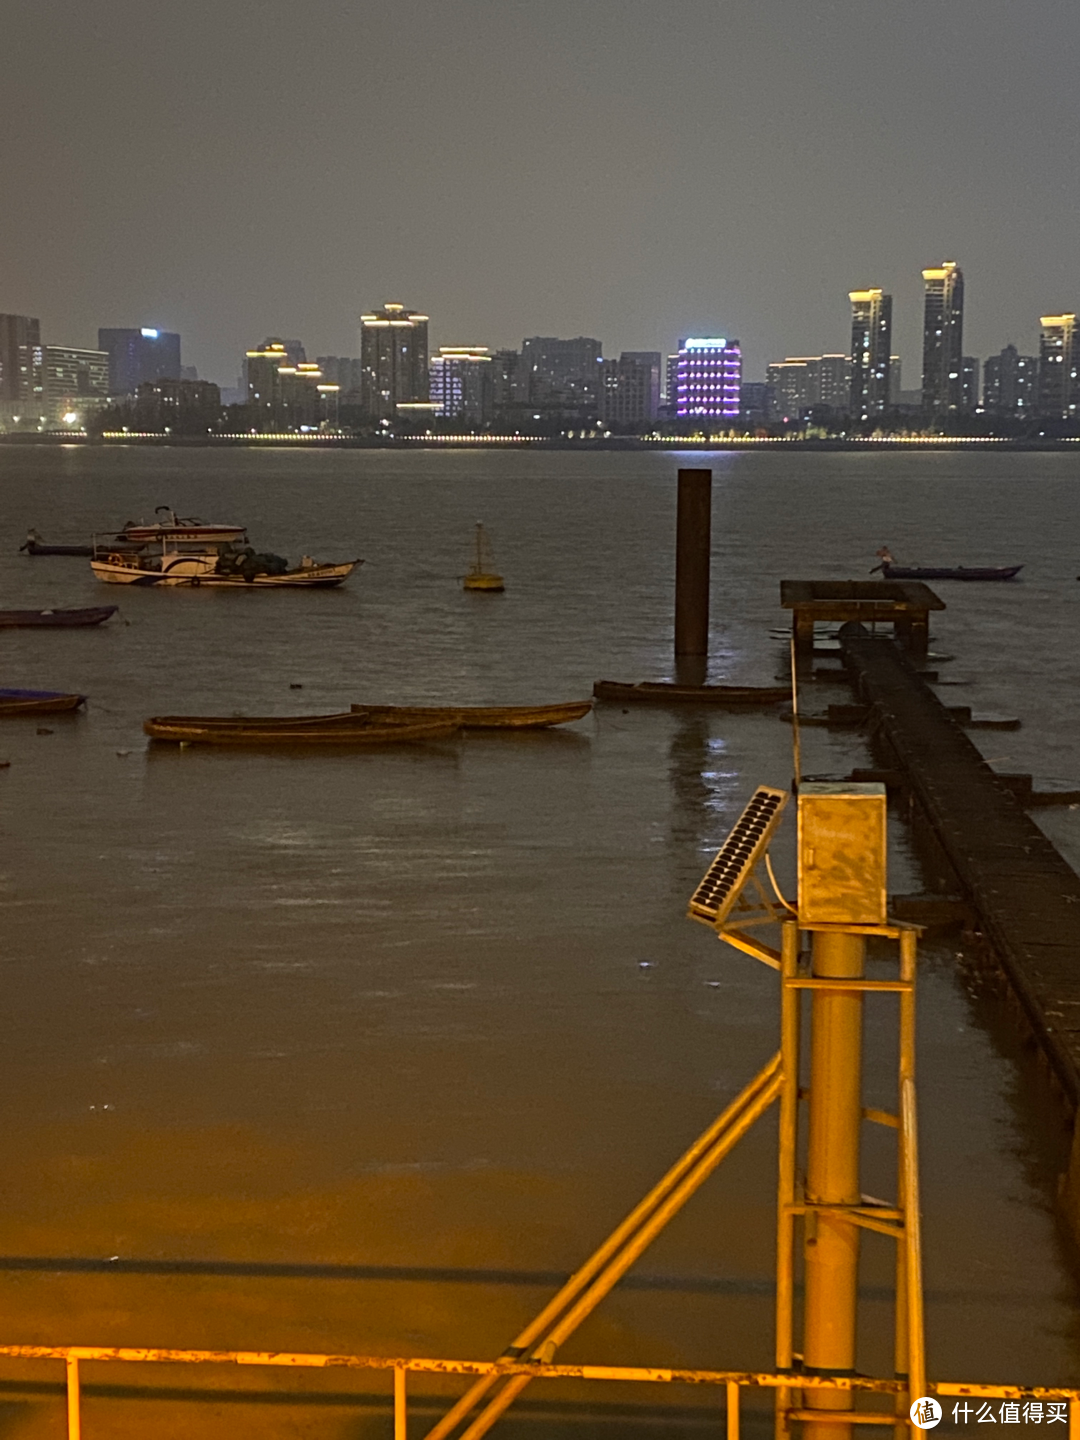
{"x": 903, "y": 604}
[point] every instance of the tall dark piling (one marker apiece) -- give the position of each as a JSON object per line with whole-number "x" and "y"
{"x": 693, "y": 543}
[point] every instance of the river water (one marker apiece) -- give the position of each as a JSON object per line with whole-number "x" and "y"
{"x": 438, "y": 1009}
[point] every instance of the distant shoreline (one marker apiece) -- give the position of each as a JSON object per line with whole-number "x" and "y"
{"x": 528, "y": 442}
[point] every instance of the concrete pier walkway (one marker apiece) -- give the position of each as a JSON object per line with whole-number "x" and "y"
{"x": 1027, "y": 897}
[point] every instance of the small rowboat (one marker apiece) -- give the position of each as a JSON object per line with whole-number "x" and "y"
{"x": 347, "y": 729}
{"x": 950, "y": 572}
{"x": 667, "y": 692}
{"x": 479, "y": 717}
{"x": 55, "y": 619}
{"x": 891, "y": 571}
{"x": 39, "y": 547}
{"x": 38, "y": 702}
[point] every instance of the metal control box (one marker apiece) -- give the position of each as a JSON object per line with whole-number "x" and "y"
{"x": 842, "y": 854}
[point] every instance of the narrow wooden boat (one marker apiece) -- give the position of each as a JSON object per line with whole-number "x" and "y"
{"x": 40, "y": 547}
{"x": 345, "y": 729}
{"x": 667, "y": 692}
{"x": 890, "y": 570}
{"x": 480, "y": 717}
{"x": 55, "y": 619}
{"x": 950, "y": 572}
{"x": 38, "y": 702}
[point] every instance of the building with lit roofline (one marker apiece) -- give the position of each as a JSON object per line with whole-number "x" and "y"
{"x": 1059, "y": 368}
{"x": 943, "y": 340}
{"x": 461, "y": 383}
{"x": 393, "y": 360}
{"x": 871, "y": 352}
{"x": 708, "y": 378}
{"x": 139, "y": 356}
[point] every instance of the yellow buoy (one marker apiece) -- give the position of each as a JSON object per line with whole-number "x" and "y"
{"x": 481, "y": 576}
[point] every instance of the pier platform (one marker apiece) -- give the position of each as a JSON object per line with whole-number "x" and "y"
{"x": 1024, "y": 893}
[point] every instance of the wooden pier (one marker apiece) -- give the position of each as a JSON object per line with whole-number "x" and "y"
{"x": 903, "y": 604}
{"x": 1025, "y": 895}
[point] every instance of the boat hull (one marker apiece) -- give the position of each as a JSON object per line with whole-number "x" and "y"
{"x": 55, "y": 619}
{"x": 480, "y": 717}
{"x": 345, "y": 729}
{"x": 37, "y": 702}
{"x": 669, "y": 693}
{"x": 310, "y": 577}
{"x": 946, "y": 572}
{"x": 38, "y": 547}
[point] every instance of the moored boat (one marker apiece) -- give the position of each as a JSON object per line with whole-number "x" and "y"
{"x": 891, "y": 571}
{"x": 38, "y": 702}
{"x": 35, "y": 545}
{"x": 186, "y": 551}
{"x": 56, "y": 619}
{"x": 480, "y": 717}
{"x": 668, "y": 692}
{"x": 346, "y": 729}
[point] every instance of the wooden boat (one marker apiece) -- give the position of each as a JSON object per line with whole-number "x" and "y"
{"x": 667, "y": 692}
{"x": 55, "y": 619}
{"x": 38, "y": 702}
{"x": 891, "y": 571}
{"x": 347, "y": 729}
{"x": 480, "y": 717}
{"x": 35, "y": 545}
{"x": 481, "y": 576}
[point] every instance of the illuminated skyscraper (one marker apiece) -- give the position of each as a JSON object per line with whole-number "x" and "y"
{"x": 22, "y": 367}
{"x": 461, "y": 383}
{"x": 708, "y": 378}
{"x": 943, "y": 340}
{"x": 139, "y": 356}
{"x": 394, "y": 357}
{"x": 1059, "y": 368}
{"x": 1009, "y": 383}
{"x": 871, "y": 350}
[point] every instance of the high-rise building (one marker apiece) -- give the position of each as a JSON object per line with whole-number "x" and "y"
{"x": 1010, "y": 383}
{"x": 671, "y": 383}
{"x": 969, "y": 384}
{"x": 709, "y": 378}
{"x": 756, "y": 402}
{"x": 562, "y": 372}
{"x": 871, "y": 352}
{"x": 283, "y": 396}
{"x": 801, "y": 382}
{"x": 943, "y": 340}
{"x": 136, "y": 356}
{"x": 630, "y": 388}
{"x": 508, "y": 386}
{"x": 76, "y": 383}
{"x": 1059, "y": 368}
{"x": 22, "y": 369}
{"x": 896, "y": 383}
{"x": 342, "y": 371}
{"x": 460, "y": 383}
{"x": 394, "y": 360}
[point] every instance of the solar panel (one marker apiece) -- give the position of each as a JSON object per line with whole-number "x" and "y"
{"x": 740, "y": 852}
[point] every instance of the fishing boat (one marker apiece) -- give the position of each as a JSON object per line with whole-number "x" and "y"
{"x": 38, "y": 702}
{"x": 480, "y": 717}
{"x": 668, "y": 692}
{"x": 481, "y": 576}
{"x": 35, "y": 545}
{"x": 56, "y": 619}
{"x": 346, "y": 729}
{"x": 891, "y": 571}
{"x": 186, "y": 551}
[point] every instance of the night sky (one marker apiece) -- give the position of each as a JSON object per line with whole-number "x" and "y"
{"x": 628, "y": 169}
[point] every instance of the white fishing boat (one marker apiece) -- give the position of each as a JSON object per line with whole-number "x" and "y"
{"x": 186, "y": 551}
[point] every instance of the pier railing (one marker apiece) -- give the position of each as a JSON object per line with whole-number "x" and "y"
{"x": 731, "y": 1382}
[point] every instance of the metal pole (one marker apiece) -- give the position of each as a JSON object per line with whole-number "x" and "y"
{"x": 401, "y": 1415}
{"x": 832, "y": 1176}
{"x": 74, "y": 1421}
{"x": 785, "y": 1196}
{"x": 693, "y": 544}
{"x": 732, "y": 1410}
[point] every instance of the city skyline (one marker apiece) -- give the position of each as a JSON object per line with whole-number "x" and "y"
{"x": 730, "y": 170}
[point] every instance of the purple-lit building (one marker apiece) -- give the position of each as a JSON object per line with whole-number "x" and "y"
{"x": 708, "y": 377}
